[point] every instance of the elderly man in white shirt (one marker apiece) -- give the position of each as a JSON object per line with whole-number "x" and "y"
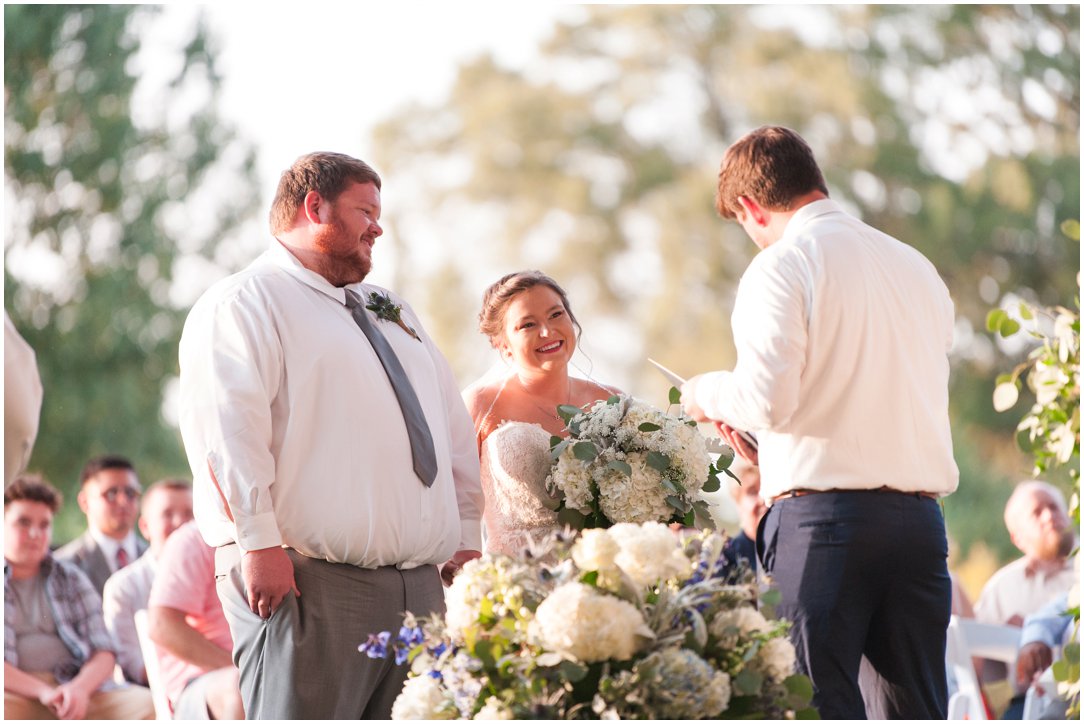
{"x": 335, "y": 462}
{"x": 842, "y": 336}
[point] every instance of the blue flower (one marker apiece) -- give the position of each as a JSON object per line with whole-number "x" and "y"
{"x": 401, "y": 655}
{"x": 411, "y": 636}
{"x": 439, "y": 649}
{"x": 436, "y": 674}
{"x": 377, "y": 645}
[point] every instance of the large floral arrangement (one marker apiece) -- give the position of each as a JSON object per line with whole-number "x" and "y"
{"x": 627, "y": 622}
{"x": 625, "y": 461}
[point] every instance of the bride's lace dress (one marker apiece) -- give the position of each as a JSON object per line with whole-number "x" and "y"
{"x": 515, "y": 461}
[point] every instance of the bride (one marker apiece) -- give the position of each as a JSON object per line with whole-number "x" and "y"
{"x": 528, "y": 320}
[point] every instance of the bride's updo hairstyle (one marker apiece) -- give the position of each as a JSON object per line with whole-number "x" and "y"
{"x": 500, "y": 294}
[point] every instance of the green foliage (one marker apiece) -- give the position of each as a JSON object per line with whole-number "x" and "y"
{"x": 105, "y": 207}
{"x": 588, "y": 166}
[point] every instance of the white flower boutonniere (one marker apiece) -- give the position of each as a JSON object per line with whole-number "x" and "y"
{"x": 386, "y": 309}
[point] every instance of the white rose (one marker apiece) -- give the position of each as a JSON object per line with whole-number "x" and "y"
{"x": 776, "y": 659}
{"x": 423, "y": 697}
{"x": 594, "y": 550}
{"x": 650, "y": 553}
{"x": 494, "y": 709}
{"x": 735, "y": 624}
{"x": 579, "y": 621}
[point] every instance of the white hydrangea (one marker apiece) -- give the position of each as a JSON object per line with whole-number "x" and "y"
{"x": 494, "y": 709}
{"x": 776, "y": 659}
{"x": 423, "y": 697}
{"x": 649, "y": 553}
{"x": 572, "y": 476}
{"x": 494, "y": 579}
{"x": 685, "y": 686}
{"x": 595, "y": 550}
{"x": 731, "y": 626}
{"x": 635, "y": 498}
{"x": 579, "y": 621}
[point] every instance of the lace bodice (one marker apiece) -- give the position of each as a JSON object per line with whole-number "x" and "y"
{"x": 515, "y": 461}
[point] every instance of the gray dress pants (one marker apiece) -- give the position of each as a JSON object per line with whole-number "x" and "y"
{"x": 303, "y": 662}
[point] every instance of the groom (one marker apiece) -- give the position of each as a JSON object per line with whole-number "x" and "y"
{"x": 335, "y": 463}
{"x": 842, "y": 335}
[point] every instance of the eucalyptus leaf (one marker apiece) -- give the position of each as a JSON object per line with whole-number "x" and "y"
{"x": 657, "y": 461}
{"x": 572, "y": 518}
{"x": 675, "y": 395}
{"x": 572, "y": 671}
{"x": 648, "y": 427}
{"x": 567, "y": 412}
{"x": 747, "y": 682}
{"x": 712, "y": 485}
{"x": 670, "y": 485}
{"x": 677, "y": 504}
{"x": 613, "y": 399}
{"x": 620, "y": 466}
{"x": 1008, "y": 327}
{"x": 585, "y": 450}
{"x": 560, "y": 448}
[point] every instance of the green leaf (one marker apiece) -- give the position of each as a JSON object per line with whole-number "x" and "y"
{"x": 675, "y": 395}
{"x": 658, "y": 461}
{"x": 567, "y": 412}
{"x": 585, "y": 450}
{"x": 712, "y": 485}
{"x": 807, "y": 713}
{"x": 621, "y": 466}
{"x": 702, "y": 516}
{"x": 747, "y": 682}
{"x": 670, "y": 485}
{"x": 483, "y": 651}
{"x": 771, "y": 597}
{"x": 572, "y": 671}
{"x": 1009, "y": 327}
{"x": 613, "y": 399}
{"x": 1025, "y": 311}
{"x": 689, "y": 521}
{"x": 799, "y": 685}
{"x": 994, "y": 319}
{"x": 677, "y": 503}
{"x": 560, "y": 448}
{"x": 555, "y": 440}
{"x": 572, "y": 518}
{"x": 590, "y": 578}
{"x": 648, "y": 427}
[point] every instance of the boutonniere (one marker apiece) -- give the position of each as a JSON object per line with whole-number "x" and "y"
{"x": 389, "y": 311}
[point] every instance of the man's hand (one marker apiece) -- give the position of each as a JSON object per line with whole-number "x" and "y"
{"x": 736, "y": 441}
{"x": 70, "y": 701}
{"x": 688, "y": 402}
{"x": 1031, "y": 661}
{"x": 449, "y": 570}
{"x": 269, "y": 576}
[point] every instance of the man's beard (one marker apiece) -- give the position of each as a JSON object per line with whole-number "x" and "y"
{"x": 336, "y": 265}
{"x": 1056, "y": 544}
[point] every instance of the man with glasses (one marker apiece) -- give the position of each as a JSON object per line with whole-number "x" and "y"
{"x": 109, "y": 496}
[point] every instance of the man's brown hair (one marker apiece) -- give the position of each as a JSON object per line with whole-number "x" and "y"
{"x": 328, "y": 174}
{"x": 771, "y": 165}
{"x": 33, "y": 488}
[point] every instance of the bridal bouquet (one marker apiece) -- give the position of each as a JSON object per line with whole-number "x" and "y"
{"x": 625, "y": 461}
{"x": 626, "y": 622}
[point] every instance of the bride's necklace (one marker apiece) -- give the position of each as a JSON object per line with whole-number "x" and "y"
{"x": 551, "y": 410}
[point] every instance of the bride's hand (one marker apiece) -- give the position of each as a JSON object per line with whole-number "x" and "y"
{"x": 449, "y": 570}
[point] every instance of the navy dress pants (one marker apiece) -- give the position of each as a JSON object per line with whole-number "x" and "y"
{"x": 864, "y": 579}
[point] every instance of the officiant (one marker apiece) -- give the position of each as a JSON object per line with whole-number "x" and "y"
{"x": 842, "y": 336}
{"x": 334, "y": 461}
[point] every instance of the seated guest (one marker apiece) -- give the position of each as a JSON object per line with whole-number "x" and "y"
{"x": 109, "y": 496}
{"x": 751, "y": 509}
{"x": 193, "y": 638}
{"x": 1044, "y": 633}
{"x": 58, "y": 655}
{"x": 1039, "y": 526}
{"x": 167, "y": 505}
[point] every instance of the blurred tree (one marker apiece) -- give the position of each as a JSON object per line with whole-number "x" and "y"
{"x": 954, "y": 128}
{"x": 110, "y": 182}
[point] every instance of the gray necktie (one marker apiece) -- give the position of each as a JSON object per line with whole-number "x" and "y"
{"x": 421, "y": 440}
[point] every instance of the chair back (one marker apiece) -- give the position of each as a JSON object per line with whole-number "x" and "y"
{"x": 969, "y": 638}
{"x": 162, "y": 709}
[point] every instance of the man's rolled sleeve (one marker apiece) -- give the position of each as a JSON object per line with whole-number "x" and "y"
{"x": 231, "y": 367}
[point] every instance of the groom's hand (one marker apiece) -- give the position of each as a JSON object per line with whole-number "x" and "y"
{"x": 449, "y": 570}
{"x": 269, "y": 576}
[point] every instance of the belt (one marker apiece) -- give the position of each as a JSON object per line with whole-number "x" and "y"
{"x": 800, "y": 492}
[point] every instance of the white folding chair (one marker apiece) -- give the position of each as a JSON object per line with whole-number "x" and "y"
{"x": 968, "y": 638}
{"x": 150, "y": 662}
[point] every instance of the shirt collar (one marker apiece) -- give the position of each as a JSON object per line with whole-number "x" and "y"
{"x": 109, "y": 546}
{"x": 283, "y": 258}
{"x": 809, "y": 212}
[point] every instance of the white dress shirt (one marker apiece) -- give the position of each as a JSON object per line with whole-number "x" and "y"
{"x": 842, "y": 335}
{"x": 110, "y": 546}
{"x": 126, "y": 592}
{"x": 288, "y": 417}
